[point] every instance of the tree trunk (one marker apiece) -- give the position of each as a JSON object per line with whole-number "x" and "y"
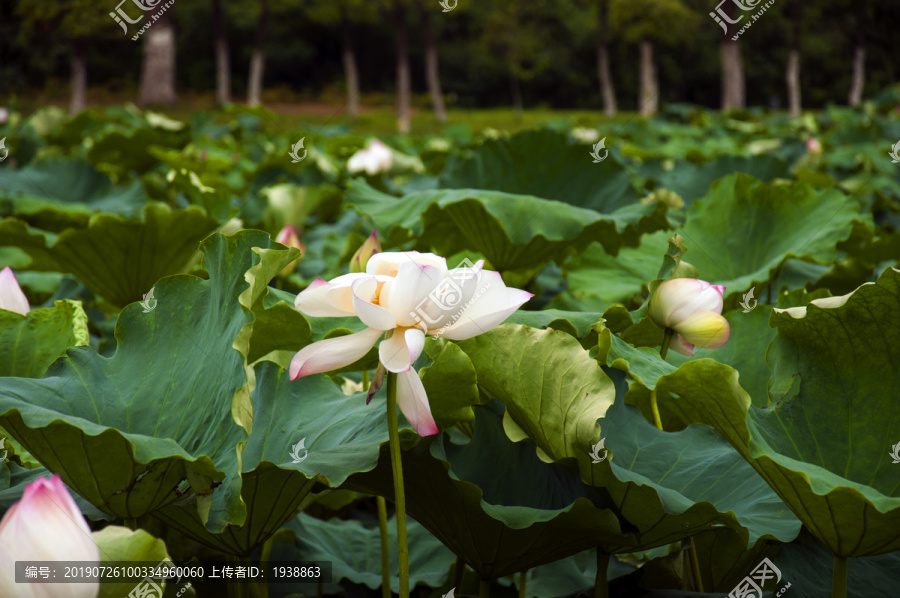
{"x": 648, "y": 100}
{"x": 858, "y": 82}
{"x": 793, "y": 82}
{"x": 792, "y": 76}
{"x": 516, "y": 90}
{"x": 79, "y": 76}
{"x": 258, "y": 58}
{"x": 606, "y": 82}
{"x": 403, "y": 82}
{"x": 223, "y": 64}
{"x": 733, "y": 96}
{"x": 350, "y": 71}
{"x": 432, "y": 75}
{"x": 733, "y": 88}
{"x": 158, "y": 69}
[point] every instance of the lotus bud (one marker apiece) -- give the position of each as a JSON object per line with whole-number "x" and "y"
{"x": 813, "y": 146}
{"x": 45, "y": 525}
{"x": 289, "y": 238}
{"x": 370, "y": 247}
{"x": 11, "y": 296}
{"x": 691, "y": 308}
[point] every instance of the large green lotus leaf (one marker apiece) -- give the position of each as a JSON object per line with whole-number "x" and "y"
{"x": 340, "y": 435}
{"x": 597, "y": 280}
{"x": 802, "y": 562}
{"x": 125, "y": 431}
{"x": 122, "y": 544}
{"x": 833, "y": 386}
{"x": 578, "y": 324}
{"x": 544, "y": 164}
{"x": 30, "y": 343}
{"x": 118, "y": 259}
{"x": 493, "y": 502}
{"x": 511, "y": 231}
{"x": 669, "y": 485}
{"x": 58, "y": 193}
{"x": 354, "y": 551}
{"x": 692, "y": 181}
{"x": 450, "y": 402}
{"x": 743, "y": 230}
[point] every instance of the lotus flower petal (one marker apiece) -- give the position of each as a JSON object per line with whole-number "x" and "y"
{"x": 11, "y": 295}
{"x": 705, "y": 329}
{"x": 492, "y": 303}
{"x": 333, "y": 353}
{"x": 400, "y": 351}
{"x": 413, "y": 403}
{"x": 388, "y": 264}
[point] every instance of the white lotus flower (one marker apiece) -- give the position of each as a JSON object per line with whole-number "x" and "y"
{"x": 692, "y": 308}
{"x": 45, "y": 525}
{"x": 375, "y": 158}
{"x": 405, "y": 296}
{"x": 11, "y": 295}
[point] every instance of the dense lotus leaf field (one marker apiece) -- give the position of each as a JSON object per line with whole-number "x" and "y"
{"x": 639, "y": 358}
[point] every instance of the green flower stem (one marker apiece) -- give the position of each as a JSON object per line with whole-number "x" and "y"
{"x": 522, "y": 580}
{"x": 667, "y": 338}
{"x": 385, "y": 547}
{"x": 459, "y": 572}
{"x": 365, "y": 380}
{"x": 695, "y": 563}
{"x": 601, "y": 585}
{"x": 265, "y": 555}
{"x": 399, "y": 496}
{"x": 484, "y": 588}
{"x": 839, "y": 577}
{"x": 663, "y": 349}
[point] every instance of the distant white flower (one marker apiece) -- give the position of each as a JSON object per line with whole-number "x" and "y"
{"x": 4, "y": 115}
{"x": 585, "y": 135}
{"x": 375, "y": 158}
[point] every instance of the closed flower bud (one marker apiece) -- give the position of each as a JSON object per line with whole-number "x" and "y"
{"x": 370, "y": 247}
{"x": 692, "y": 308}
{"x": 45, "y": 525}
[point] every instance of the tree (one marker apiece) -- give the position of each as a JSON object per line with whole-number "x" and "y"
{"x": 792, "y": 74}
{"x": 733, "y": 94}
{"x": 158, "y": 67}
{"x": 859, "y": 56}
{"x": 344, "y": 14}
{"x": 75, "y": 23}
{"x": 517, "y": 32}
{"x": 258, "y": 58}
{"x": 223, "y": 63}
{"x": 606, "y": 83}
{"x": 403, "y": 77}
{"x": 648, "y": 22}
{"x": 432, "y": 75}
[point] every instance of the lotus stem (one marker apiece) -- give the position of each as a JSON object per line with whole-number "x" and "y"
{"x": 667, "y": 338}
{"x": 484, "y": 588}
{"x": 601, "y": 585}
{"x": 399, "y": 497}
{"x": 459, "y": 572}
{"x": 839, "y": 577}
{"x": 522, "y": 582}
{"x": 385, "y": 547}
{"x": 695, "y": 563}
{"x": 365, "y": 380}
{"x": 663, "y": 350}
{"x": 265, "y": 555}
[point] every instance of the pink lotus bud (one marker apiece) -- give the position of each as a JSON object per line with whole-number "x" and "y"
{"x": 45, "y": 525}
{"x": 11, "y": 295}
{"x": 289, "y": 238}
{"x": 813, "y": 146}
{"x": 370, "y": 247}
{"x": 692, "y": 308}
